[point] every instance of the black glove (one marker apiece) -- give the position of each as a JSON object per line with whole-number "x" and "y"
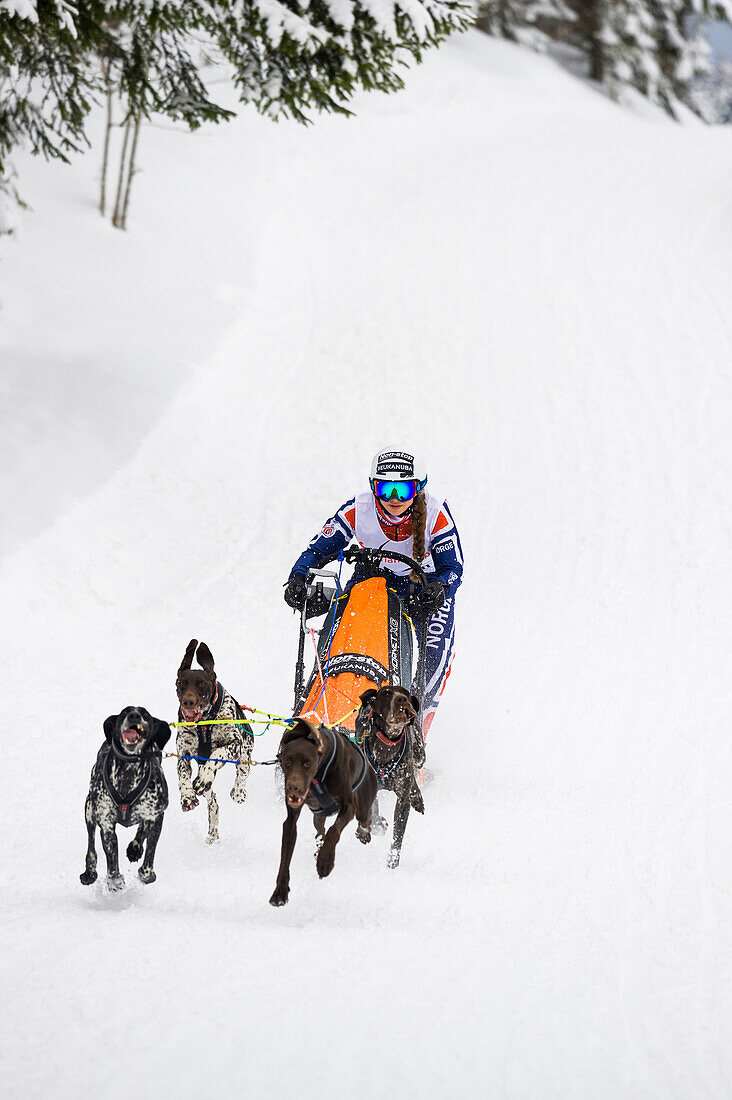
{"x": 433, "y": 597}
{"x": 295, "y": 591}
{"x": 425, "y": 601}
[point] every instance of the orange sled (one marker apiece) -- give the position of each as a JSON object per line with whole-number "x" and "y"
{"x": 365, "y": 642}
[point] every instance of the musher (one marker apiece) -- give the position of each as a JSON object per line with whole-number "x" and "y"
{"x": 399, "y": 513}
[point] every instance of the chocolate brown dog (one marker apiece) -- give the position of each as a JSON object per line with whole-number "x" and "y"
{"x": 388, "y": 726}
{"x": 329, "y": 774}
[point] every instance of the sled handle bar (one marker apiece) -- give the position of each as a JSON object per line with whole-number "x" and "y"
{"x": 355, "y": 554}
{"x": 367, "y": 556}
{"x": 328, "y": 593}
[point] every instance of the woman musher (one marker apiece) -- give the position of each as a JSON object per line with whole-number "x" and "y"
{"x": 399, "y": 513}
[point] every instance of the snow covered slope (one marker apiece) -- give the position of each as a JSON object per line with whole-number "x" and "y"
{"x": 534, "y": 285}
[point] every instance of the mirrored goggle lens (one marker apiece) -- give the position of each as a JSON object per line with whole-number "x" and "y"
{"x": 402, "y": 490}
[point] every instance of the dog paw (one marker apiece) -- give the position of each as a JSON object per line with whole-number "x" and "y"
{"x": 379, "y": 825}
{"x": 202, "y": 785}
{"x": 147, "y": 874}
{"x": 280, "y": 896}
{"x": 325, "y": 861}
{"x": 88, "y": 877}
{"x": 134, "y": 851}
{"x": 212, "y": 838}
{"x": 363, "y": 835}
{"x": 114, "y": 883}
{"x": 393, "y": 860}
{"x": 189, "y": 802}
{"x": 238, "y": 794}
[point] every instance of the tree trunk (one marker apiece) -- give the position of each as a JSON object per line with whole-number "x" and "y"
{"x": 596, "y": 20}
{"x": 130, "y": 171}
{"x": 107, "y": 132}
{"x": 117, "y": 215}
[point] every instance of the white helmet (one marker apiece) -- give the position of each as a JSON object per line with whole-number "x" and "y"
{"x": 398, "y": 464}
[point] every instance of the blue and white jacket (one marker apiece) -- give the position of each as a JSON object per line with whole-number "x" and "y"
{"x": 362, "y": 519}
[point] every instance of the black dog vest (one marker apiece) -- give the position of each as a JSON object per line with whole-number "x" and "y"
{"x": 327, "y": 805}
{"x": 126, "y": 805}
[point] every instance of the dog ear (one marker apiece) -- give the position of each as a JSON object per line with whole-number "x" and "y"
{"x": 306, "y": 728}
{"x": 302, "y": 728}
{"x": 110, "y": 724}
{"x": 293, "y": 732}
{"x": 415, "y": 704}
{"x": 188, "y": 655}
{"x": 368, "y": 696}
{"x": 317, "y": 737}
{"x": 161, "y": 734}
{"x": 287, "y": 734}
{"x": 205, "y": 659}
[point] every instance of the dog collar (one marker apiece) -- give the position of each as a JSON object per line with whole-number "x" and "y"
{"x": 386, "y": 740}
{"x": 127, "y": 757}
{"x": 366, "y": 724}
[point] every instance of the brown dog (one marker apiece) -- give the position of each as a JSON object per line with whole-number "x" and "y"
{"x": 329, "y": 774}
{"x": 388, "y": 726}
{"x": 202, "y": 698}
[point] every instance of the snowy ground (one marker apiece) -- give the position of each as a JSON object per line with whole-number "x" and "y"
{"x": 534, "y": 284}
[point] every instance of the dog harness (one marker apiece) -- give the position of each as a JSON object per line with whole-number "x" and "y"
{"x": 126, "y": 805}
{"x": 203, "y": 752}
{"x": 204, "y": 732}
{"x": 384, "y": 769}
{"x": 327, "y": 804}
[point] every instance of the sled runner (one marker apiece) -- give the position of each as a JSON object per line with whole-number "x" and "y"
{"x": 366, "y": 640}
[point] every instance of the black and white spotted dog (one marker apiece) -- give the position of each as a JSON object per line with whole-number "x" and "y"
{"x": 201, "y": 698}
{"x": 127, "y": 788}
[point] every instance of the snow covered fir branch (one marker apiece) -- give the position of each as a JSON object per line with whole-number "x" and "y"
{"x": 295, "y": 59}
{"x": 287, "y": 59}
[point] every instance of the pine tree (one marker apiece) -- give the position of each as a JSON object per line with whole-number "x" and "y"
{"x": 45, "y": 86}
{"x": 296, "y": 57}
{"x": 530, "y": 22}
{"x": 628, "y": 42}
{"x": 149, "y": 64}
{"x": 57, "y": 60}
{"x": 658, "y": 47}
{"x": 714, "y": 94}
{"x": 683, "y": 52}
{"x": 655, "y": 46}
{"x": 289, "y": 57}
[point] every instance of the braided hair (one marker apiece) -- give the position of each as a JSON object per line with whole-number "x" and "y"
{"x": 419, "y": 523}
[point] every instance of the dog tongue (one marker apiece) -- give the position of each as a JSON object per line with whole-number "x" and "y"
{"x": 131, "y": 734}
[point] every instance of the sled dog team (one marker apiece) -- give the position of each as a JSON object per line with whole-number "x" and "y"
{"x": 322, "y": 768}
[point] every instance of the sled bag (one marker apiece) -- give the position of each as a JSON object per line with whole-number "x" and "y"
{"x": 372, "y": 646}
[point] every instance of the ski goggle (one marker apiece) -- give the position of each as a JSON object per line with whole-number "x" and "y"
{"x": 402, "y": 490}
